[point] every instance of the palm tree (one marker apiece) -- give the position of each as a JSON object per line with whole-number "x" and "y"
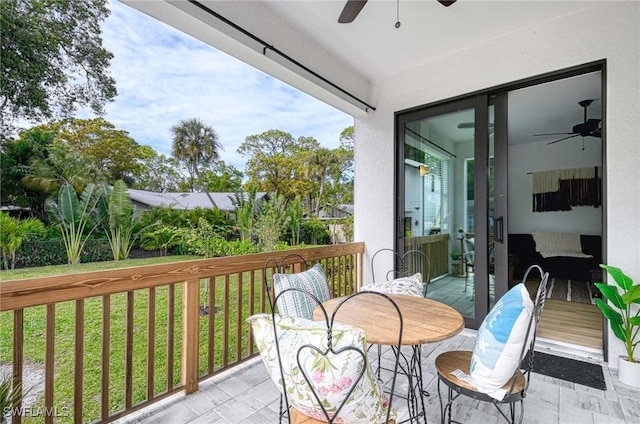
{"x": 196, "y": 144}
{"x": 61, "y": 167}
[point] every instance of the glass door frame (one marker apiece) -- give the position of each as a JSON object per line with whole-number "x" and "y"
{"x": 480, "y": 104}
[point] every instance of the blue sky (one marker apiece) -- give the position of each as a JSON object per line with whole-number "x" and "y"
{"x": 164, "y": 76}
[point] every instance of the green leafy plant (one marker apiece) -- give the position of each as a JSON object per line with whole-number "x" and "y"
{"x": 246, "y": 209}
{"x": 624, "y": 322}
{"x": 76, "y": 217}
{"x": 271, "y": 223}
{"x": 10, "y": 395}
{"x": 120, "y": 221}
{"x": 162, "y": 238}
{"x": 13, "y": 232}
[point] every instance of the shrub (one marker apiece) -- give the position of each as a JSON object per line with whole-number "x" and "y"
{"x": 160, "y": 238}
{"x": 52, "y": 252}
{"x": 314, "y": 231}
{"x": 220, "y": 220}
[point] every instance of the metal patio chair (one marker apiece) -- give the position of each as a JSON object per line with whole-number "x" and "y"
{"x": 454, "y": 367}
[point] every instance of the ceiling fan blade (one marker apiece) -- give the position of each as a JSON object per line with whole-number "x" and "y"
{"x": 446, "y": 3}
{"x": 555, "y": 141}
{"x": 351, "y": 9}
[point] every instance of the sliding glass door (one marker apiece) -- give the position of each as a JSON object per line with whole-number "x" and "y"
{"x": 445, "y": 203}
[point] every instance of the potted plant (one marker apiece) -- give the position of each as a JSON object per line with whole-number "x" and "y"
{"x": 624, "y": 322}
{"x": 455, "y": 263}
{"x": 10, "y": 395}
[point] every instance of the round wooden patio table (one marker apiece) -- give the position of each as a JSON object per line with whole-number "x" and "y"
{"x": 424, "y": 321}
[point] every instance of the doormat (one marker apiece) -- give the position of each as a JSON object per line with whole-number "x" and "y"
{"x": 567, "y": 290}
{"x": 567, "y": 369}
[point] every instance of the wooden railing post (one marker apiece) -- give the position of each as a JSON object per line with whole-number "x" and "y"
{"x": 190, "y": 327}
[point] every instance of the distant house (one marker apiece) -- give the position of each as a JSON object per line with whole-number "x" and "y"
{"x": 340, "y": 211}
{"x": 145, "y": 200}
{"x": 16, "y": 211}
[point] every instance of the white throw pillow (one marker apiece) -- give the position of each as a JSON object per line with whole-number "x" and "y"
{"x": 332, "y": 376}
{"x": 550, "y": 244}
{"x": 411, "y": 286}
{"x": 499, "y": 341}
{"x": 298, "y": 304}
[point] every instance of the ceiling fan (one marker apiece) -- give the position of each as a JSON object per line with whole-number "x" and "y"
{"x": 353, "y": 7}
{"x": 588, "y": 128}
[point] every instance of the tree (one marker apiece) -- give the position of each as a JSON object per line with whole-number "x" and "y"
{"x": 276, "y": 162}
{"x": 15, "y": 158}
{"x": 110, "y": 150}
{"x": 60, "y": 167}
{"x": 222, "y": 178}
{"x": 196, "y": 144}
{"x": 347, "y": 138}
{"x": 159, "y": 172}
{"x": 322, "y": 163}
{"x": 53, "y": 61}
{"x": 12, "y": 233}
{"x": 295, "y": 214}
{"x": 340, "y": 177}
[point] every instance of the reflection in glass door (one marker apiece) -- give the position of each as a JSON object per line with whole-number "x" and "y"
{"x": 436, "y": 203}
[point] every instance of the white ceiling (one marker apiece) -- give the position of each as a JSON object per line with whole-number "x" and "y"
{"x": 428, "y": 31}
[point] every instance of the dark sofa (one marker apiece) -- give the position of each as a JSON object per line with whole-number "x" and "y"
{"x": 524, "y": 248}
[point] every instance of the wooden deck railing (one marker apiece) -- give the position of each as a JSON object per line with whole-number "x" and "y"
{"x": 436, "y": 247}
{"x": 126, "y": 338}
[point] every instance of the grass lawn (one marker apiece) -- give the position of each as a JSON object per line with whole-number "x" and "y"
{"x": 35, "y": 323}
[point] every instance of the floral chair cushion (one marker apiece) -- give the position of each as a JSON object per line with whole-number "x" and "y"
{"x": 296, "y": 303}
{"x": 331, "y": 376}
{"x": 411, "y": 286}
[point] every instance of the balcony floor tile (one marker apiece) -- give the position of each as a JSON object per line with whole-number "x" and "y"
{"x": 247, "y": 395}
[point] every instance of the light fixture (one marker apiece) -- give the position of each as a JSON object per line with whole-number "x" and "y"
{"x": 424, "y": 170}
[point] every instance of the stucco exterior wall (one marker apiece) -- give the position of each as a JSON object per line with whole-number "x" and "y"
{"x": 609, "y": 30}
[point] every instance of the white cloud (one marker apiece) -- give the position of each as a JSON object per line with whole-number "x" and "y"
{"x": 164, "y": 76}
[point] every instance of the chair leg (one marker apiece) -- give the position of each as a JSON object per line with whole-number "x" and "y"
{"x": 379, "y": 361}
{"x": 511, "y": 417}
{"x": 281, "y": 408}
{"x": 445, "y": 410}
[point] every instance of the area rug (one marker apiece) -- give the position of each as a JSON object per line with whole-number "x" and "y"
{"x": 568, "y": 290}
{"x": 567, "y": 369}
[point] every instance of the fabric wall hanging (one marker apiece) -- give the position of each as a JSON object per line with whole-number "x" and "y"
{"x": 560, "y": 189}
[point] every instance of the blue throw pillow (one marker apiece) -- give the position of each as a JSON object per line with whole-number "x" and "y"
{"x": 499, "y": 342}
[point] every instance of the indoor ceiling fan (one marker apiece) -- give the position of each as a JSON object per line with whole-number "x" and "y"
{"x": 587, "y": 128}
{"x": 353, "y": 7}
